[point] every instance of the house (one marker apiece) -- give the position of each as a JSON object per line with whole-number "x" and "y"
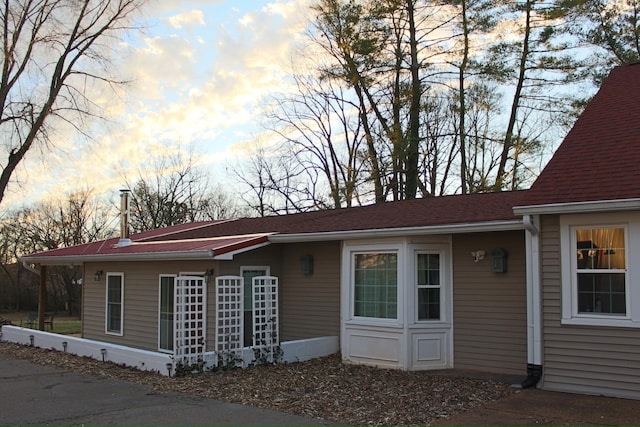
{"x": 538, "y": 282}
{"x": 584, "y": 248}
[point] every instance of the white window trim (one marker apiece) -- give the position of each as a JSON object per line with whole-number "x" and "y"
{"x": 442, "y": 286}
{"x": 568, "y": 260}
{"x": 348, "y": 263}
{"x": 164, "y": 350}
{"x": 106, "y": 305}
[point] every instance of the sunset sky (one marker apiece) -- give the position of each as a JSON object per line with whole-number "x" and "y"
{"x": 199, "y": 70}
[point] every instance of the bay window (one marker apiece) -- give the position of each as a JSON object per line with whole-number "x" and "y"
{"x": 375, "y": 285}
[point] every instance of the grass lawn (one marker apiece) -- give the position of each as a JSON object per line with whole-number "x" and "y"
{"x": 64, "y": 325}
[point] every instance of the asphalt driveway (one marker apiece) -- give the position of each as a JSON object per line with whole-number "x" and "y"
{"x": 32, "y": 394}
{"x": 43, "y": 395}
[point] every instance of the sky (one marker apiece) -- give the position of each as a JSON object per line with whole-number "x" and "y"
{"x": 199, "y": 71}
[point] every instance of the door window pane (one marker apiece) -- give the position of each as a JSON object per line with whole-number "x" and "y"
{"x": 166, "y": 313}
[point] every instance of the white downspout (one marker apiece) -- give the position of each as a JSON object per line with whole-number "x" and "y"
{"x": 27, "y": 266}
{"x": 534, "y": 299}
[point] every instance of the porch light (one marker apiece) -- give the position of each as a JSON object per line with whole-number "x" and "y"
{"x": 207, "y": 275}
{"x": 98, "y": 275}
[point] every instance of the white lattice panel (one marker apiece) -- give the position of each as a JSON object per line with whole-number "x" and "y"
{"x": 190, "y": 299}
{"x": 265, "y": 315}
{"x": 229, "y": 318}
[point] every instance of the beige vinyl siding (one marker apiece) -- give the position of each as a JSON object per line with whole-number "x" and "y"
{"x": 141, "y": 287}
{"x": 310, "y": 305}
{"x": 582, "y": 359}
{"x": 490, "y": 309}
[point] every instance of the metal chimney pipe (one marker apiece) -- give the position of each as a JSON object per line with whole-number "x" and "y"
{"x": 124, "y": 218}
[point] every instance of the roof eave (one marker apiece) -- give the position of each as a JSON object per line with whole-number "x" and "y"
{"x": 473, "y": 227}
{"x": 579, "y": 207}
{"x": 143, "y": 256}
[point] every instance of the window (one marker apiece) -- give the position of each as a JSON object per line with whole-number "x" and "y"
{"x": 166, "y": 313}
{"x": 428, "y": 286}
{"x": 248, "y": 273}
{"x": 375, "y": 285}
{"x": 600, "y": 267}
{"x": 114, "y": 310}
{"x": 600, "y": 271}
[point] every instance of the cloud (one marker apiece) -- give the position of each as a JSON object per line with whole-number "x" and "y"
{"x": 197, "y": 81}
{"x": 189, "y": 19}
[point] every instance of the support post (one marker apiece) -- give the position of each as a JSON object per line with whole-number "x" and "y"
{"x": 42, "y": 297}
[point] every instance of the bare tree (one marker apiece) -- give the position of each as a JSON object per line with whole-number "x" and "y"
{"x": 53, "y": 53}
{"x": 174, "y": 190}
{"x": 76, "y": 219}
{"x": 320, "y": 132}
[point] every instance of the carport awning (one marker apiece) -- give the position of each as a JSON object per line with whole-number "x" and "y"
{"x": 108, "y": 250}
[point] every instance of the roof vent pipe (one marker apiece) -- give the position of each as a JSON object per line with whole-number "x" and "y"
{"x": 124, "y": 219}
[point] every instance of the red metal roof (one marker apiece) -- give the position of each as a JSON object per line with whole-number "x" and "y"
{"x": 219, "y": 246}
{"x": 600, "y": 157}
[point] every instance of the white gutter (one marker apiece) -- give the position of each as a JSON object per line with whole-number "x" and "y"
{"x": 534, "y": 290}
{"x": 579, "y": 207}
{"x": 475, "y": 227}
{"x": 206, "y": 254}
{"x": 145, "y": 256}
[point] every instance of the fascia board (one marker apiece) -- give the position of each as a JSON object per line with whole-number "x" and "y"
{"x": 475, "y": 227}
{"x": 143, "y": 256}
{"x": 579, "y": 207}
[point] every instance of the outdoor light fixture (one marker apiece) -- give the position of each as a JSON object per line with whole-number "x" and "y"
{"x": 31, "y": 338}
{"x": 478, "y": 255}
{"x": 207, "y": 275}
{"x": 64, "y": 346}
{"x": 169, "y": 367}
{"x": 103, "y": 351}
{"x": 98, "y": 275}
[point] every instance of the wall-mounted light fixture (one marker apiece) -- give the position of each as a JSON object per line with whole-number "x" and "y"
{"x": 478, "y": 255}
{"x": 98, "y": 275}
{"x": 306, "y": 265}
{"x": 499, "y": 260}
{"x": 208, "y": 275}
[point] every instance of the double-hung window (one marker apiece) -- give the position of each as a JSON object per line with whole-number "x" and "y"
{"x": 375, "y": 279}
{"x": 599, "y": 255}
{"x": 600, "y": 270}
{"x": 114, "y": 317}
{"x": 429, "y": 286}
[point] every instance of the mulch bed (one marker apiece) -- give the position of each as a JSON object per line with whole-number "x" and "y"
{"x": 323, "y": 388}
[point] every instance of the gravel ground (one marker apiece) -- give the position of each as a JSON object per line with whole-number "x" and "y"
{"x": 323, "y": 388}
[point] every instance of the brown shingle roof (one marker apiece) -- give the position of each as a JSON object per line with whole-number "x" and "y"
{"x": 247, "y": 232}
{"x": 600, "y": 157}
